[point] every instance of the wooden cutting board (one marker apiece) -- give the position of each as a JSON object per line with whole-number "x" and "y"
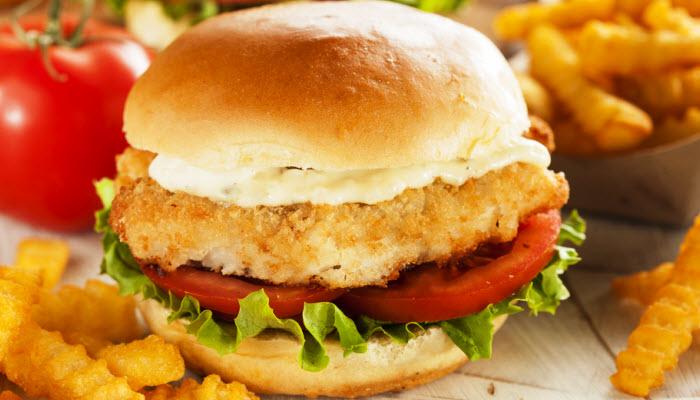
{"x": 566, "y": 356}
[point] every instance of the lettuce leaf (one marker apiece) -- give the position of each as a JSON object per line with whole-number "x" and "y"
{"x": 435, "y": 6}
{"x": 473, "y": 334}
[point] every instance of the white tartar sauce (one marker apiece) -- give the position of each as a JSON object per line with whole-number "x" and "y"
{"x": 250, "y": 187}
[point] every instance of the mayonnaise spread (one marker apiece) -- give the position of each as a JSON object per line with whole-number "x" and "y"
{"x": 250, "y": 187}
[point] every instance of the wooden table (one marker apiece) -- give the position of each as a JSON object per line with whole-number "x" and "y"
{"x": 567, "y": 356}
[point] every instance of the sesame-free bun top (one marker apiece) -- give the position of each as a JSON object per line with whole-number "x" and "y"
{"x": 325, "y": 85}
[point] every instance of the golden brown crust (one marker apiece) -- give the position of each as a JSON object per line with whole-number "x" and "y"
{"x": 325, "y": 85}
{"x": 268, "y": 363}
{"x": 541, "y": 132}
{"x": 131, "y": 165}
{"x": 345, "y": 245}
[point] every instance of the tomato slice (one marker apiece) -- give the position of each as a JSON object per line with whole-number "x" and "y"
{"x": 220, "y": 293}
{"x": 429, "y": 293}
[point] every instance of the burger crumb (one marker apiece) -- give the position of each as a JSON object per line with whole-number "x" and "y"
{"x": 491, "y": 389}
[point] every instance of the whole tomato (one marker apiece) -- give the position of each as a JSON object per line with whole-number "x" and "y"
{"x": 59, "y": 133}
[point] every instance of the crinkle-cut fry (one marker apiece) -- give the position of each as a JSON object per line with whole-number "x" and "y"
{"x": 682, "y": 296}
{"x": 517, "y": 21}
{"x": 672, "y": 129}
{"x": 91, "y": 343}
{"x": 18, "y": 292}
{"x": 90, "y": 312}
{"x": 47, "y": 257}
{"x": 147, "y": 362}
{"x": 613, "y": 123}
{"x": 676, "y": 311}
{"x": 688, "y": 260}
{"x": 20, "y": 276}
{"x": 691, "y": 276}
{"x": 210, "y": 389}
{"x": 44, "y": 365}
{"x": 643, "y": 286}
{"x": 660, "y": 15}
{"x": 609, "y": 49}
{"x": 661, "y": 340}
{"x": 116, "y": 389}
{"x": 664, "y": 94}
{"x": 7, "y": 395}
{"x": 638, "y": 370}
{"x": 162, "y": 392}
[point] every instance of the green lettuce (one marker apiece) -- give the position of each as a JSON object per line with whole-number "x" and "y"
{"x": 435, "y": 6}
{"x": 473, "y": 334}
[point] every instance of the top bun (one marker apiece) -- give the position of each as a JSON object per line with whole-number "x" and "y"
{"x": 325, "y": 85}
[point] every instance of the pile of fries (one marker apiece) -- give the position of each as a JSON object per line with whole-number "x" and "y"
{"x": 610, "y": 75}
{"x": 84, "y": 343}
{"x": 672, "y": 293}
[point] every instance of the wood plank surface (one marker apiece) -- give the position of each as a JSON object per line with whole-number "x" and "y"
{"x": 566, "y": 356}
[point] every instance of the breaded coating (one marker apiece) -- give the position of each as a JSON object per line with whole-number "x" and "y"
{"x": 337, "y": 246}
{"x": 132, "y": 164}
{"x": 541, "y": 132}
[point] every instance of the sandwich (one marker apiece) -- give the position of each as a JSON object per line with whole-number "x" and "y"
{"x": 333, "y": 198}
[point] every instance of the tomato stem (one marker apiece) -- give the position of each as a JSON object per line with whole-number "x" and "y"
{"x": 14, "y": 21}
{"x": 53, "y": 25}
{"x": 53, "y": 33}
{"x": 76, "y": 38}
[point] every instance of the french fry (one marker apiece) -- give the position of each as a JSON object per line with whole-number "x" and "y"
{"x": 643, "y": 286}
{"x": 47, "y": 257}
{"x": 210, "y": 389}
{"x": 627, "y": 21}
{"x": 692, "y": 6}
{"x": 664, "y": 332}
{"x": 43, "y": 364}
{"x": 636, "y": 8}
{"x": 20, "y": 276}
{"x": 571, "y": 141}
{"x": 672, "y": 129}
{"x": 18, "y": 292}
{"x": 538, "y": 100}
{"x": 660, "y": 15}
{"x": 611, "y": 49}
{"x": 88, "y": 315}
{"x": 516, "y": 22}
{"x": 662, "y": 95}
{"x": 147, "y": 362}
{"x": 613, "y": 123}
{"x": 91, "y": 343}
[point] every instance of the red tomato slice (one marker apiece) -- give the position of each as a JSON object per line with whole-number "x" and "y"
{"x": 429, "y": 293}
{"x": 220, "y": 293}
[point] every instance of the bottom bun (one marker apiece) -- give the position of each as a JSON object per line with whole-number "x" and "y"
{"x": 267, "y": 363}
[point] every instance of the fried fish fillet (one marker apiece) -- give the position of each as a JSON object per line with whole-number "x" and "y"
{"x": 337, "y": 246}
